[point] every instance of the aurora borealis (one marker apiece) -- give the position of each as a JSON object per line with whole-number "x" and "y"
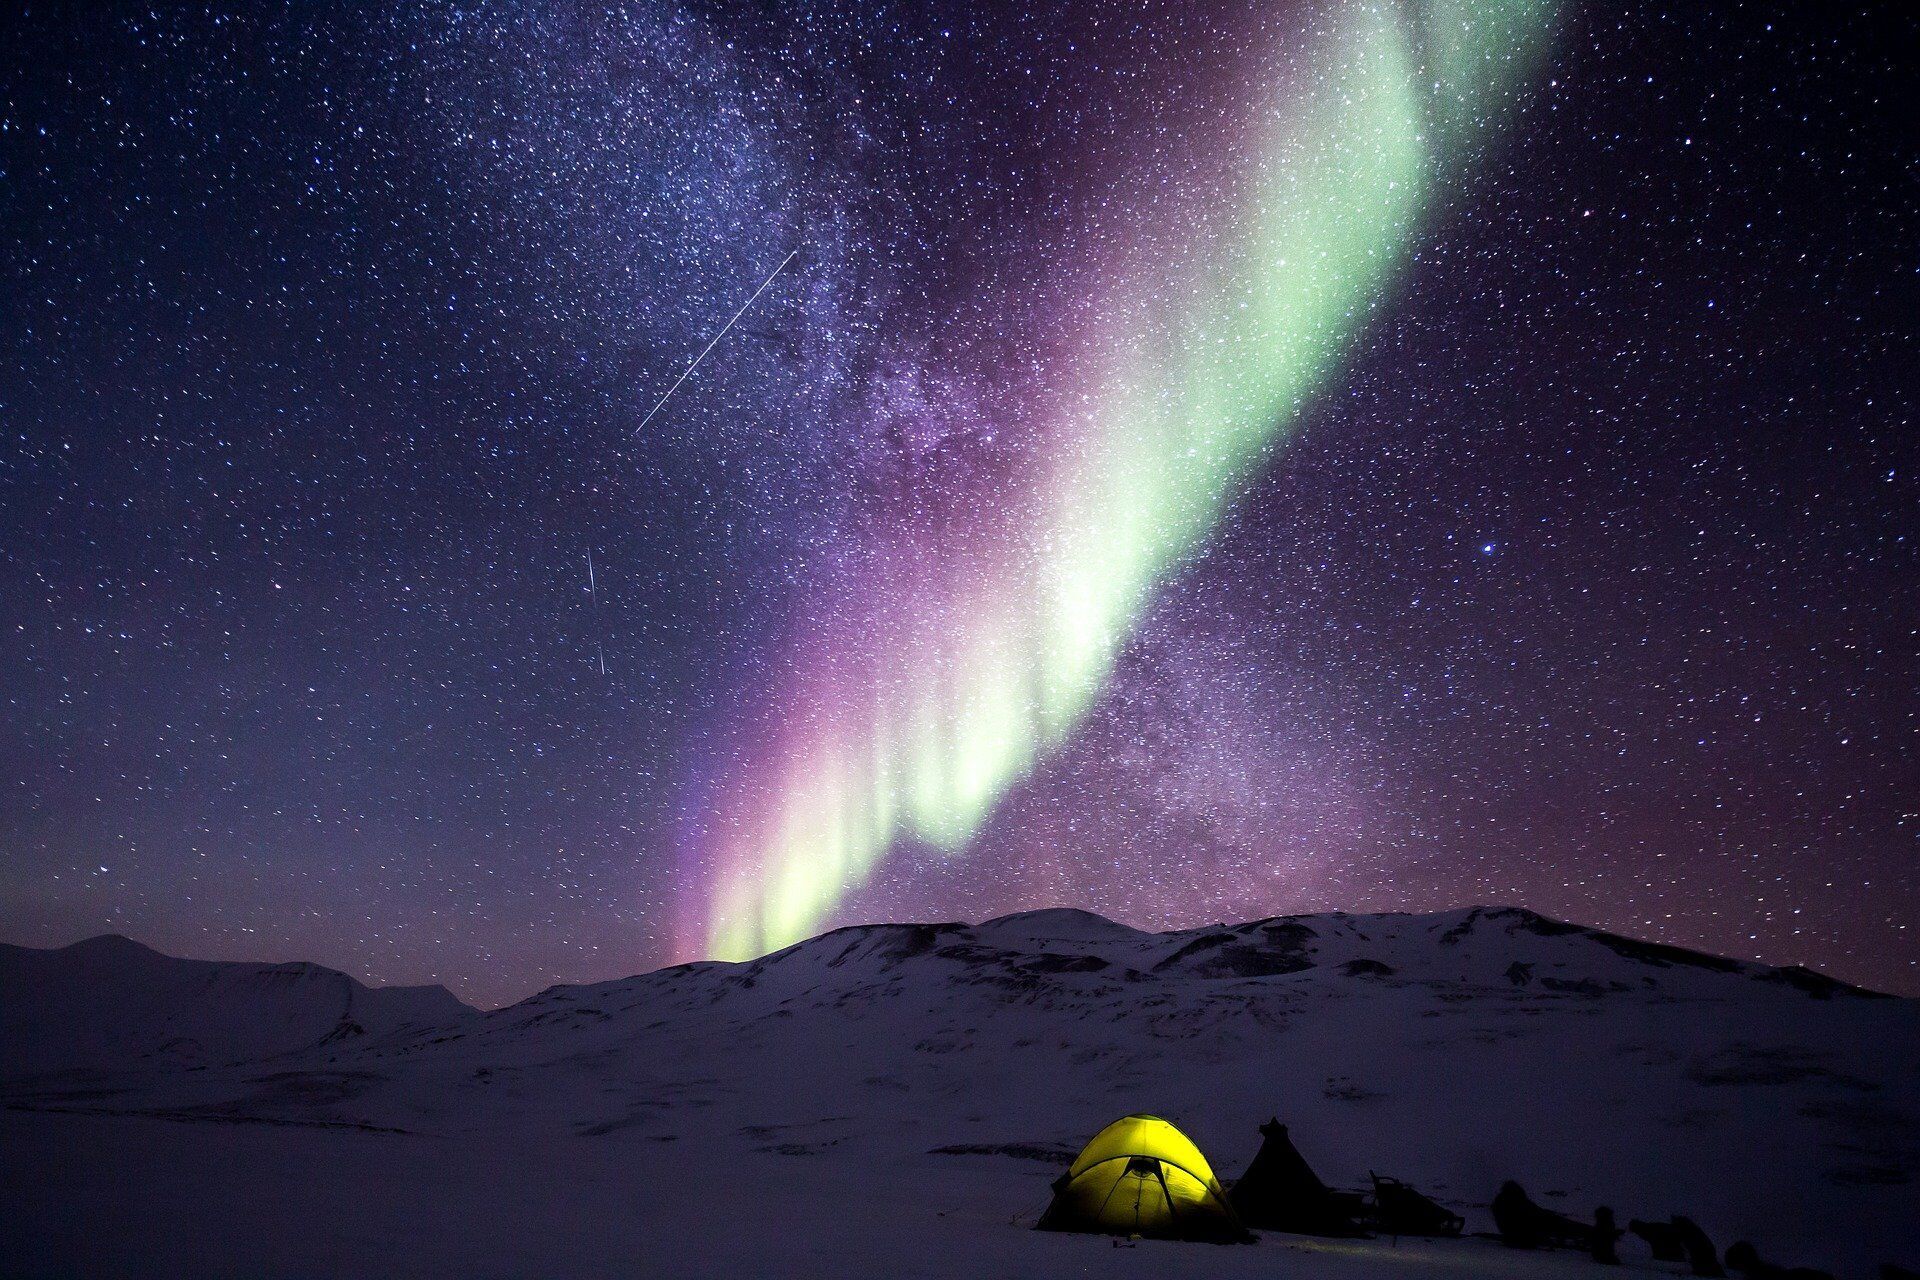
{"x": 1197, "y": 462}
{"x": 1219, "y": 301}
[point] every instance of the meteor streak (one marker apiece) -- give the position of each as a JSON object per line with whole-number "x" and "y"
{"x": 593, "y": 596}
{"x": 661, "y": 402}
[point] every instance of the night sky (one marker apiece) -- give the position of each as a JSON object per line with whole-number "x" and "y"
{"x": 1198, "y": 462}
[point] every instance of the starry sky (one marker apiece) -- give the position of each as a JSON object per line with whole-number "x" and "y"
{"x": 1196, "y": 462}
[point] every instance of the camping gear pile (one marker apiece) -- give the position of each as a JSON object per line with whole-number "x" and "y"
{"x": 1141, "y": 1177}
{"x": 1281, "y": 1192}
{"x": 1525, "y": 1225}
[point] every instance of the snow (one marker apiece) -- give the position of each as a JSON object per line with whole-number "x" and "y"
{"x": 894, "y": 1100}
{"x": 110, "y": 1002}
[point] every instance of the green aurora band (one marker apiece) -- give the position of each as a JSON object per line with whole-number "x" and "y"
{"x": 1227, "y": 307}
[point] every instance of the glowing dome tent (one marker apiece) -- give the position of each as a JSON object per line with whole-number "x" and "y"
{"x": 1142, "y": 1176}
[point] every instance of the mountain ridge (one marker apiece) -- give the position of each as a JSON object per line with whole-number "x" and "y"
{"x": 109, "y": 1002}
{"x": 1087, "y": 926}
{"x": 1013, "y": 927}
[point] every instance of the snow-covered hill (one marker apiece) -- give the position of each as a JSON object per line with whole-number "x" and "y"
{"x": 110, "y": 1003}
{"x": 894, "y": 1099}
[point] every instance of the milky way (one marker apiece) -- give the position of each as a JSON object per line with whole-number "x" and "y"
{"x": 1199, "y": 462}
{"x": 1224, "y": 284}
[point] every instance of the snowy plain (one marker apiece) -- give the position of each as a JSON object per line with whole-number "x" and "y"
{"x": 894, "y": 1100}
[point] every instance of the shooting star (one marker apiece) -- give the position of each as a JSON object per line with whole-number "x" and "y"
{"x": 593, "y": 597}
{"x": 661, "y": 403}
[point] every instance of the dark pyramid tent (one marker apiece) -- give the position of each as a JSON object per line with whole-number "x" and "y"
{"x": 1281, "y": 1192}
{"x": 1142, "y": 1176}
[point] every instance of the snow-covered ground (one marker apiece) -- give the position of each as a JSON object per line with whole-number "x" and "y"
{"x": 894, "y": 1101}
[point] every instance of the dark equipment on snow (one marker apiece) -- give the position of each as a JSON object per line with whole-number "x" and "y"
{"x": 1280, "y": 1192}
{"x": 1526, "y": 1225}
{"x": 1744, "y": 1259}
{"x": 1605, "y": 1234}
{"x": 1701, "y": 1254}
{"x": 1661, "y": 1237}
{"x": 1399, "y": 1210}
{"x": 1680, "y": 1240}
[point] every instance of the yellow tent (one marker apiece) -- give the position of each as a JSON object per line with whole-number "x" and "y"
{"x": 1142, "y": 1176}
